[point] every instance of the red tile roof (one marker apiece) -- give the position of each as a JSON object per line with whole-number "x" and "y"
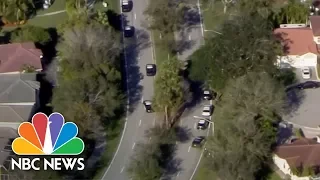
{"x": 303, "y": 151}
{"x": 14, "y": 56}
{"x": 315, "y": 25}
{"x": 296, "y": 41}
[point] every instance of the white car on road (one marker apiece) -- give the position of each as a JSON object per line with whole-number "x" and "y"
{"x": 306, "y": 74}
{"x": 207, "y": 110}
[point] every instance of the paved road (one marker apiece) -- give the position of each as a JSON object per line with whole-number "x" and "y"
{"x": 138, "y": 53}
{"x": 190, "y": 156}
{"x": 190, "y": 39}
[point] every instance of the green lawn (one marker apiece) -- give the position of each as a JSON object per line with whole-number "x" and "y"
{"x": 112, "y": 138}
{"x": 112, "y": 4}
{"x": 48, "y": 21}
{"x": 57, "y": 5}
{"x": 213, "y": 16}
{"x": 160, "y": 52}
{"x": 203, "y": 173}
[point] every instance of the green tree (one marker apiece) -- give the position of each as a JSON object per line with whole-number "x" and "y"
{"x": 170, "y": 92}
{"x": 294, "y": 12}
{"x": 246, "y": 45}
{"x": 17, "y": 10}
{"x": 150, "y": 160}
{"x": 31, "y": 33}
{"x": 89, "y": 77}
{"x": 244, "y": 130}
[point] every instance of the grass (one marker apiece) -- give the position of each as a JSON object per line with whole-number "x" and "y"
{"x": 113, "y": 137}
{"x": 160, "y": 52}
{"x": 213, "y": 16}
{"x": 274, "y": 176}
{"x": 48, "y": 21}
{"x": 203, "y": 173}
{"x": 57, "y": 5}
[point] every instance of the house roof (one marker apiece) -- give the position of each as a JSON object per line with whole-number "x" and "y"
{"x": 303, "y": 151}
{"x": 315, "y": 25}
{"x": 296, "y": 41}
{"x": 14, "y": 56}
{"x": 18, "y": 93}
{"x": 6, "y": 137}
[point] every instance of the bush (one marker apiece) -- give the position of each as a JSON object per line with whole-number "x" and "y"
{"x": 31, "y": 33}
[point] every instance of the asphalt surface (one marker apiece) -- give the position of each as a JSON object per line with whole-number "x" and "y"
{"x": 190, "y": 38}
{"x": 138, "y": 53}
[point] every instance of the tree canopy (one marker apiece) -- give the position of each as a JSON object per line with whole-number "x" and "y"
{"x": 244, "y": 126}
{"x": 89, "y": 80}
{"x": 31, "y": 33}
{"x": 246, "y": 45}
{"x": 170, "y": 89}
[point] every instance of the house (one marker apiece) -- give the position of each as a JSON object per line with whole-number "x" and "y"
{"x": 16, "y": 56}
{"x": 299, "y": 46}
{"x": 299, "y": 158}
{"x": 7, "y": 135}
{"x": 19, "y": 98}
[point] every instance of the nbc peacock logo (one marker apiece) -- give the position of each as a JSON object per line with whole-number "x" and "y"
{"x": 47, "y": 136}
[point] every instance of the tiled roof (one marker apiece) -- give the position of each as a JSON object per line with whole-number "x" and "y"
{"x": 14, "y": 56}
{"x": 303, "y": 151}
{"x": 17, "y": 88}
{"x": 296, "y": 41}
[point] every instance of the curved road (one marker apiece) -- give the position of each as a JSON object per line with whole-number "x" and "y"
{"x": 138, "y": 53}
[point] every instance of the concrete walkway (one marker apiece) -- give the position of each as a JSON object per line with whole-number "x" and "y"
{"x": 51, "y": 13}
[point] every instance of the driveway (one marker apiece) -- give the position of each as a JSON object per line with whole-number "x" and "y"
{"x": 299, "y": 74}
{"x": 304, "y": 107}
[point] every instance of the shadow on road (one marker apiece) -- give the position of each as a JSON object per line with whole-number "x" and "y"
{"x": 183, "y": 134}
{"x": 133, "y": 46}
{"x": 294, "y": 99}
{"x": 191, "y": 17}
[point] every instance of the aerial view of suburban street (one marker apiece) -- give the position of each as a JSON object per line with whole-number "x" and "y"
{"x": 159, "y": 90}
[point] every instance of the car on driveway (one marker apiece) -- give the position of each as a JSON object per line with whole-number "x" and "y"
{"x": 147, "y": 106}
{"x": 208, "y": 95}
{"x": 306, "y": 73}
{"x": 126, "y": 5}
{"x": 151, "y": 69}
{"x": 128, "y": 31}
{"x": 202, "y": 124}
{"x": 207, "y": 110}
{"x": 198, "y": 141}
{"x": 308, "y": 85}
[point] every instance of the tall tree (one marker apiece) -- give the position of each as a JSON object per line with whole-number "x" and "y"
{"x": 170, "y": 92}
{"x": 244, "y": 126}
{"x": 247, "y": 44}
{"x": 31, "y": 33}
{"x": 89, "y": 78}
{"x": 294, "y": 12}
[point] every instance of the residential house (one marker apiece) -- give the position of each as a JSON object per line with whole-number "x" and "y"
{"x": 7, "y": 135}
{"x": 15, "y": 57}
{"x": 19, "y": 91}
{"x": 299, "y": 46}
{"x": 299, "y": 158}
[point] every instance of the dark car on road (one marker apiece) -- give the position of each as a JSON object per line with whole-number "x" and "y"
{"x": 202, "y": 124}
{"x": 147, "y": 106}
{"x": 151, "y": 69}
{"x": 127, "y": 5}
{"x": 128, "y": 31}
{"x": 308, "y": 85}
{"x": 198, "y": 141}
